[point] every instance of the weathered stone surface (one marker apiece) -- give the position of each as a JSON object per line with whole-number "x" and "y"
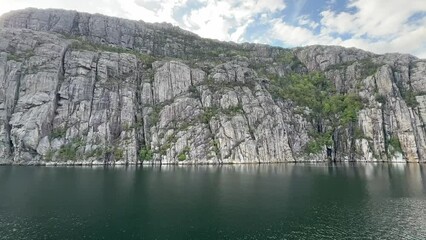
{"x": 321, "y": 57}
{"x": 63, "y": 103}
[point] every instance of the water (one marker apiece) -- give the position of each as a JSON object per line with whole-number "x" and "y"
{"x": 281, "y": 201}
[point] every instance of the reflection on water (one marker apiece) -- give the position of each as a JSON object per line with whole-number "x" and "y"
{"x": 277, "y": 201}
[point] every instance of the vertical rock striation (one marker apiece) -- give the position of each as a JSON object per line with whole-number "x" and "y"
{"x": 77, "y": 88}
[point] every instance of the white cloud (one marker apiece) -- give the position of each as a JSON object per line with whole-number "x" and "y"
{"x": 146, "y": 10}
{"x": 219, "y": 19}
{"x": 298, "y": 36}
{"x": 375, "y": 25}
{"x": 151, "y": 11}
{"x": 410, "y": 41}
{"x": 305, "y": 21}
{"x": 378, "y": 18}
{"x": 379, "y": 26}
{"x": 228, "y": 20}
{"x": 210, "y": 21}
{"x": 339, "y": 23}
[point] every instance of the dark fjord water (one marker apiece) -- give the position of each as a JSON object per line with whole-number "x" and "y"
{"x": 282, "y": 201}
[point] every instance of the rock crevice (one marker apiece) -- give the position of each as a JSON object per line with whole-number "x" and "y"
{"x": 89, "y": 89}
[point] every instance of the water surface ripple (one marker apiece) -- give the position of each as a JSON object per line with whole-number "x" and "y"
{"x": 276, "y": 201}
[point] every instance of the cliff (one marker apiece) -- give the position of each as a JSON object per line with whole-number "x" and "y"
{"x": 77, "y": 88}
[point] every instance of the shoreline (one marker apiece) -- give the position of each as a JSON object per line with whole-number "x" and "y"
{"x": 98, "y": 164}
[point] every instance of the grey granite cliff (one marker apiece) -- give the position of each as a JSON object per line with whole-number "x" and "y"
{"x": 77, "y": 88}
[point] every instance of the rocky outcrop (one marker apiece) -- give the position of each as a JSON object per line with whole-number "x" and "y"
{"x": 158, "y": 39}
{"x": 77, "y": 88}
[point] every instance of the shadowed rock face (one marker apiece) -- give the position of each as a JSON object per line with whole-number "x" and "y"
{"x": 77, "y": 88}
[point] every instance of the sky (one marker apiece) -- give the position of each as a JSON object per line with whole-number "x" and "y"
{"x": 380, "y": 26}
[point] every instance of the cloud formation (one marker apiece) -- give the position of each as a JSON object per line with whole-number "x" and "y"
{"x": 379, "y": 26}
{"x": 227, "y": 20}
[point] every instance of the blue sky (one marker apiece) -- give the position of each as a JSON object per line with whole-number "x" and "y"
{"x": 375, "y": 25}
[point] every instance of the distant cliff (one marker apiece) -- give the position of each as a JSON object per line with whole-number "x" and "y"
{"x": 77, "y": 88}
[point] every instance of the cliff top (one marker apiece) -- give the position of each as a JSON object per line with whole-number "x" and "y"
{"x": 157, "y": 39}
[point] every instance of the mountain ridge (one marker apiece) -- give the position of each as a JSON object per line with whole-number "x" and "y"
{"x": 4, "y": 18}
{"x": 79, "y": 88}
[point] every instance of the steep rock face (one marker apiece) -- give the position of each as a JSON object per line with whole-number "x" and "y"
{"x": 156, "y": 39}
{"x": 223, "y": 117}
{"x": 60, "y": 97}
{"x": 88, "y": 100}
{"x": 79, "y": 106}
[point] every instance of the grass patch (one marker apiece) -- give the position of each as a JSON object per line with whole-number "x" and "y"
{"x": 58, "y": 133}
{"x": 380, "y": 98}
{"x": 368, "y": 67}
{"x": 118, "y": 153}
{"x": 49, "y": 155}
{"x": 145, "y": 154}
{"x": 208, "y": 114}
{"x": 69, "y": 151}
{"x": 182, "y": 156}
{"x": 410, "y": 98}
{"x": 19, "y": 57}
{"x": 80, "y": 44}
{"x": 234, "y": 110}
{"x": 394, "y": 145}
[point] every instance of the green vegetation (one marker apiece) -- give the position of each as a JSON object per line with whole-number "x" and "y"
{"x": 219, "y": 50}
{"x": 118, "y": 153}
{"x": 194, "y": 92}
{"x": 410, "y": 98}
{"x": 14, "y": 57}
{"x": 318, "y": 142}
{"x": 284, "y": 57}
{"x": 145, "y": 154}
{"x": 321, "y": 103}
{"x": 98, "y": 152}
{"x": 168, "y": 144}
{"x": 395, "y": 144}
{"x": 368, "y": 67}
{"x": 287, "y": 57}
{"x": 380, "y": 98}
{"x": 19, "y": 57}
{"x": 163, "y": 149}
{"x": 341, "y": 109}
{"x": 69, "y": 151}
{"x": 214, "y": 52}
{"x": 340, "y": 66}
{"x": 359, "y": 85}
{"x": 181, "y": 156}
{"x": 211, "y": 112}
{"x": 408, "y": 94}
{"x": 358, "y": 133}
{"x": 234, "y": 110}
{"x": 49, "y": 156}
{"x": 154, "y": 116}
{"x": 58, "y": 133}
{"x": 208, "y": 114}
{"x": 215, "y": 144}
{"x": 184, "y": 126}
{"x": 239, "y": 52}
{"x": 127, "y": 126}
{"x": 81, "y": 44}
{"x": 221, "y": 86}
